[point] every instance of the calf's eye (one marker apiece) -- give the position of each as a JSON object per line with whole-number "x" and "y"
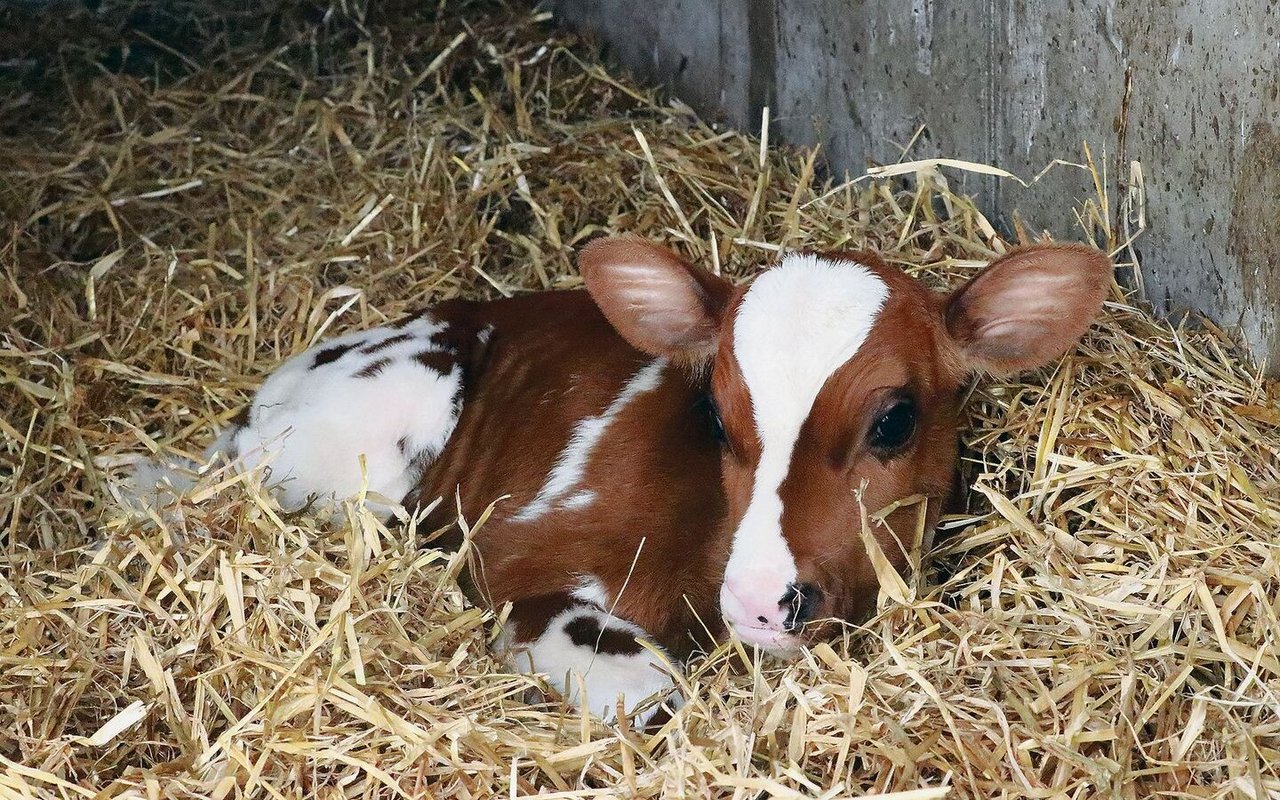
{"x": 894, "y": 427}
{"x": 713, "y": 418}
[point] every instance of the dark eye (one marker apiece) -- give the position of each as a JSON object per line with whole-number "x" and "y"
{"x": 894, "y": 427}
{"x": 715, "y": 424}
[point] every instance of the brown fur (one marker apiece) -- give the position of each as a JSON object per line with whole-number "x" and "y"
{"x": 656, "y": 474}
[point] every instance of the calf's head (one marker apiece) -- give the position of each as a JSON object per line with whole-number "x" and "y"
{"x": 837, "y": 382}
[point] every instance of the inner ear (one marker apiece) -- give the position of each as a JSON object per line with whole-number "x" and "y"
{"x": 1029, "y": 307}
{"x": 658, "y": 302}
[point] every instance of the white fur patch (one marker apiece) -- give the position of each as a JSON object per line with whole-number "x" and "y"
{"x": 577, "y": 669}
{"x": 566, "y": 474}
{"x": 798, "y": 323}
{"x": 361, "y": 394}
{"x": 590, "y": 590}
{"x": 580, "y": 499}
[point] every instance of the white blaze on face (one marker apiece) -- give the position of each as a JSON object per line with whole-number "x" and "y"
{"x": 798, "y": 323}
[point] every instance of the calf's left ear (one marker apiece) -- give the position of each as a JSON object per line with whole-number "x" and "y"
{"x": 657, "y": 301}
{"x": 1028, "y": 307}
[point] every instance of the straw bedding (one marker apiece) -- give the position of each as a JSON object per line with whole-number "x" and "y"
{"x": 189, "y": 197}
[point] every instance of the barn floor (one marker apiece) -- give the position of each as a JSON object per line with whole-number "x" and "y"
{"x": 188, "y": 198}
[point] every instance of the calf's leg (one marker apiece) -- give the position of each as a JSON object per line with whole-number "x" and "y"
{"x": 371, "y": 408}
{"x": 589, "y": 656}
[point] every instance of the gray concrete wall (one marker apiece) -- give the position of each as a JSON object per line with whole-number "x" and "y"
{"x": 1190, "y": 88}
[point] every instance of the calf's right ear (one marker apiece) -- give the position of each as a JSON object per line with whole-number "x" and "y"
{"x": 658, "y": 302}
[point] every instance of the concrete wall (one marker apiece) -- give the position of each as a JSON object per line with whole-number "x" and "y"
{"x": 1190, "y": 88}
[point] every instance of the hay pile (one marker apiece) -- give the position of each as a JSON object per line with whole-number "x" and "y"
{"x": 188, "y": 198}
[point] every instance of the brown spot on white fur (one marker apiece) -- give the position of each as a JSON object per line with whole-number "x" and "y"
{"x": 435, "y": 360}
{"x": 372, "y": 369}
{"x": 390, "y": 341}
{"x": 330, "y": 354}
{"x": 586, "y": 631}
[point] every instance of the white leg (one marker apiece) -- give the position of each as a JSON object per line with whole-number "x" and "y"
{"x": 592, "y": 659}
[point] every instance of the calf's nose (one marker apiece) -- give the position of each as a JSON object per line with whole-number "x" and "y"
{"x": 754, "y": 604}
{"x": 749, "y": 603}
{"x": 800, "y": 604}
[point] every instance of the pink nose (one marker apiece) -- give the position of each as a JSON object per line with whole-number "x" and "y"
{"x": 753, "y": 604}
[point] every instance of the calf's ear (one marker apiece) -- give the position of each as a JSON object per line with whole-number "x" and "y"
{"x": 1028, "y": 307}
{"x": 657, "y": 301}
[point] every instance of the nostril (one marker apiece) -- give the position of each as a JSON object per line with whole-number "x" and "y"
{"x": 744, "y": 602}
{"x": 801, "y": 601}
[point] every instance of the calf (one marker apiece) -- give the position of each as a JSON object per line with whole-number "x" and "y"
{"x": 680, "y": 455}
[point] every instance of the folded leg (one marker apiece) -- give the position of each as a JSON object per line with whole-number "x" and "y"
{"x": 375, "y": 406}
{"x": 589, "y": 656}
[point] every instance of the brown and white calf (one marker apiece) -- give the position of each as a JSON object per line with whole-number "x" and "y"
{"x": 679, "y": 453}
